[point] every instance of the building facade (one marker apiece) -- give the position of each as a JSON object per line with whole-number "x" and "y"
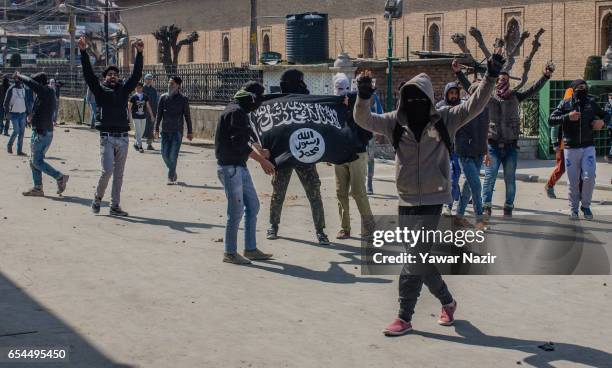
{"x": 574, "y": 29}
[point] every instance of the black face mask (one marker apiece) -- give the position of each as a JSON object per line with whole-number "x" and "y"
{"x": 418, "y": 112}
{"x": 581, "y": 94}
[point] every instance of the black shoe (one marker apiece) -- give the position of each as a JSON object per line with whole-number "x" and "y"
{"x": 272, "y": 233}
{"x": 22, "y": 154}
{"x": 61, "y": 184}
{"x": 323, "y": 239}
{"x": 507, "y": 212}
{"x": 117, "y": 211}
{"x": 487, "y": 212}
{"x": 150, "y": 148}
{"x": 136, "y": 147}
{"x": 9, "y": 149}
{"x": 550, "y": 192}
{"x": 95, "y": 205}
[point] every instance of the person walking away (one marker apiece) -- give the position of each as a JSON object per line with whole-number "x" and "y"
{"x": 4, "y": 121}
{"x": 42, "y": 133}
{"x": 233, "y": 147}
{"x": 292, "y": 82}
{"x": 112, "y": 97}
{"x": 578, "y": 118}
{"x": 351, "y": 176}
{"x": 139, "y": 105}
{"x": 504, "y": 129}
{"x": 172, "y": 113}
{"x": 16, "y": 105}
{"x": 151, "y": 92}
{"x": 422, "y": 135}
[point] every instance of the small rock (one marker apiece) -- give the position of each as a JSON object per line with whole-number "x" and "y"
{"x": 550, "y": 346}
{"x": 66, "y": 130}
{"x": 183, "y": 242}
{"x": 6, "y": 218}
{"x": 44, "y": 209}
{"x": 219, "y": 240}
{"x": 605, "y": 284}
{"x": 519, "y": 362}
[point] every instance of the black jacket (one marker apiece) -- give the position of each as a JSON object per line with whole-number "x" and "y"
{"x": 44, "y": 105}
{"x": 577, "y": 134}
{"x": 471, "y": 139}
{"x": 174, "y": 111}
{"x": 233, "y": 136}
{"x": 112, "y": 102}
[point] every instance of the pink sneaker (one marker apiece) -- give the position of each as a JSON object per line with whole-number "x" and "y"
{"x": 398, "y": 327}
{"x": 446, "y": 316}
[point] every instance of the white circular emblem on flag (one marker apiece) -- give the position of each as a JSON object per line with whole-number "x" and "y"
{"x": 307, "y": 145}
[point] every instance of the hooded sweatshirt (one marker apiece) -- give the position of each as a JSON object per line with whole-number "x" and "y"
{"x": 445, "y": 102}
{"x": 422, "y": 167}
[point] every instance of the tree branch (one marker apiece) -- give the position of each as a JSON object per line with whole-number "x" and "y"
{"x": 535, "y": 46}
{"x": 475, "y": 32}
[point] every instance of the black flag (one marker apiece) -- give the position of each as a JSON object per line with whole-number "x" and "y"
{"x": 305, "y": 129}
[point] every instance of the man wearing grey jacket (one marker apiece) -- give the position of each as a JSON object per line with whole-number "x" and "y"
{"x": 422, "y": 170}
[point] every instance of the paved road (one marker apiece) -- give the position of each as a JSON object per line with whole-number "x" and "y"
{"x": 151, "y": 290}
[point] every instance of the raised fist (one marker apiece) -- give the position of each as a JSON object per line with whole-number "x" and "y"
{"x": 364, "y": 85}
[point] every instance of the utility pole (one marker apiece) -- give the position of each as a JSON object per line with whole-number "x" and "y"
{"x": 106, "y": 46}
{"x": 390, "y": 65}
{"x": 253, "y": 34}
{"x": 393, "y": 10}
{"x": 72, "y": 33}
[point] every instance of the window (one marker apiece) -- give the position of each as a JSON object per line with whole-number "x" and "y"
{"x": 225, "y": 48}
{"x": 513, "y": 33}
{"x": 190, "y": 53}
{"x": 433, "y": 37}
{"x": 606, "y": 33}
{"x": 266, "y": 43}
{"x": 368, "y": 43}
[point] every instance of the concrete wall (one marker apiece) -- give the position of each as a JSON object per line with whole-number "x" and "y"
{"x": 204, "y": 118}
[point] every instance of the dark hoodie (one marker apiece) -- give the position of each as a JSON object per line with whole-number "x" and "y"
{"x": 233, "y": 136}
{"x": 445, "y": 102}
{"x": 422, "y": 167}
{"x": 112, "y": 101}
{"x": 44, "y": 103}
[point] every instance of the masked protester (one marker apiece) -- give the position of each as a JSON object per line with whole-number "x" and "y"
{"x": 111, "y": 97}
{"x": 504, "y": 129}
{"x": 452, "y": 97}
{"x": 44, "y": 108}
{"x": 234, "y": 145}
{"x": 292, "y": 82}
{"x": 578, "y": 118}
{"x": 351, "y": 176}
{"x": 422, "y": 170}
{"x": 16, "y": 104}
{"x": 172, "y": 113}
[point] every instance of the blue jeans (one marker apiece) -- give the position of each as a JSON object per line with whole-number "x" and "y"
{"x": 455, "y": 170}
{"x": 241, "y": 200}
{"x": 471, "y": 188}
{"x": 170, "y": 147}
{"x": 505, "y": 157}
{"x": 92, "y": 121}
{"x": 3, "y": 126}
{"x": 19, "y": 122}
{"x": 39, "y": 144}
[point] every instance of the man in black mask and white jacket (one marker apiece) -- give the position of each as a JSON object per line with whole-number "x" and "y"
{"x": 422, "y": 136}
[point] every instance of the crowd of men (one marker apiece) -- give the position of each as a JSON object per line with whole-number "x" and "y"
{"x": 435, "y": 141}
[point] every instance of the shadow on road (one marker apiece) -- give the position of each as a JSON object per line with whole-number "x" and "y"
{"x": 334, "y": 274}
{"x": 182, "y": 226}
{"x": 471, "y": 335}
{"x": 75, "y": 200}
{"x": 185, "y": 185}
{"x": 24, "y": 322}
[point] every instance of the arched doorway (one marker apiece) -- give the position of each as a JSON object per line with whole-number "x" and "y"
{"x": 513, "y": 32}
{"x": 368, "y": 43}
{"x": 266, "y": 43}
{"x": 225, "y": 54}
{"x": 606, "y": 33}
{"x": 433, "y": 38}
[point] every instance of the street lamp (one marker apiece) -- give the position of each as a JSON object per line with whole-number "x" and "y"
{"x": 393, "y": 10}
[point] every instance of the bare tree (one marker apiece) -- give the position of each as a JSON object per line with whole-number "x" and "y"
{"x": 167, "y": 37}
{"x": 510, "y": 50}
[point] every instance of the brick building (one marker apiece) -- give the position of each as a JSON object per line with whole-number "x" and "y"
{"x": 574, "y": 29}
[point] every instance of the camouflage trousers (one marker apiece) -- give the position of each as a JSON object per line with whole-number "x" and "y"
{"x": 309, "y": 177}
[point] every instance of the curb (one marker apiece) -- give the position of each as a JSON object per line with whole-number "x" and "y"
{"x": 528, "y": 178}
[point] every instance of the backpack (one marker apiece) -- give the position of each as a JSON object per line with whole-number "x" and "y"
{"x": 398, "y": 131}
